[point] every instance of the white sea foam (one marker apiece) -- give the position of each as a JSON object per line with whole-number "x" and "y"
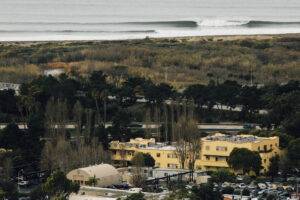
{"x": 222, "y": 22}
{"x": 132, "y": 19}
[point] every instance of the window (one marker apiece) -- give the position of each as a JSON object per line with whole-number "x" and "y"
{"x": 172, "y": 166}
{"x": 207, "y": 157}
{"x": 217, "y": 158}
{"x": 166, "y": 174}
{"x": 220, "y": 148}
{"x": 170, "y": 155}
{"x": 265, "y": 160}
{"x": 206, "y": 147}
{"x": 158, "y": 155}
{"x": 258, "y": 148}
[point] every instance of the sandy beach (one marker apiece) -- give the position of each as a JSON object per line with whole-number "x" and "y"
{"x": 155, "y": 39}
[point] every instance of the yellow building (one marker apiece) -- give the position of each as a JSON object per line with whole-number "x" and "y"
{"x": 214, "y": 152}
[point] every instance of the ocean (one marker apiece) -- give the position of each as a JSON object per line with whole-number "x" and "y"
{"x": 39, "y": 20}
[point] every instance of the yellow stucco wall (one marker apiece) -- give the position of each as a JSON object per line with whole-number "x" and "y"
{"x": 213, "y": 154}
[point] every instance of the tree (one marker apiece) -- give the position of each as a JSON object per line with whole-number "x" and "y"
{"x": 187, "y": 141}
{"x": 227, "y": 93}
{"x": 78, "y": 111}
{"x": 193, "y": 139}
{"x": 293, "y": 152}
{"x": 120, "y": 122}
{"x": 274, "y": 166}
{"x": 284, "y": 110}
{"x": 92, "y": 181}
{"x": 205, "y": 192}
{"x": 57, "y": 185}
{"x": 237, "y": 160}
{"x": 149, "y": 160}
{"x": 143, "y": 160}
{"x": 61, "y": 153}
{"x": 249, "y": 99}
{"x": 222, "y": 175}
{"x": 8, "y": 105}
{"x": 292, "y": 124}
{"x": 11, "y": 136}
{"x": 136, "y": 196}
{"x": 138, "y": 161}
{"x": 56, "y": 117}
{"x": 197, "y": 93}
{"x": 181, "y": 143}
{"x": 8, "y": 190}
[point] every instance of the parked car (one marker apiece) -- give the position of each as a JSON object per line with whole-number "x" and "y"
{"x": 135, "y": 190}
{"x": 262, "y": 186}
{"x": 23, "y": 183}
{"x": 225, "y": 184}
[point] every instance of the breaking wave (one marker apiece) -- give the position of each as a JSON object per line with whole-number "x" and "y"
{"x": 145, "y": 26}
{"x": 248, "y": 23}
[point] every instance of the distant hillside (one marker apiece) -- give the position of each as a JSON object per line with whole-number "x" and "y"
{"x": 178, "y": 61}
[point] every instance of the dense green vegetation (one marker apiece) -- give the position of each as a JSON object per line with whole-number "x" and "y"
{"x": 179, "y": 62}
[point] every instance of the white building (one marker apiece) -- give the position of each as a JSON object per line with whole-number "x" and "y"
{"x": 104, "y": 174}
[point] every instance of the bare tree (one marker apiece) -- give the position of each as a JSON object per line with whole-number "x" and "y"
{"x": 90, "y": 124}
{"x": 138, "y": 161}
{"x": 6, "y": 165}
{"x": 172, "y": 120}
{"x": 147, "y": 122}
{"x": 181, "y": 142}
{"x": 97, "y": 95}
{"x": 187, "y": 142}
{"x": 26, "y": 106}
{"x": 78, "y": 115}
{"x": 165, "y": 111}
{"x": 56, "y": 117}
{"x": 194, "y": 142}
{"x": 157, "y": 120}
{"x": 60, "y": 153}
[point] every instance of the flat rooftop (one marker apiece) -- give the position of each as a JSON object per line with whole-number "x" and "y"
{"x": 144, "y": 144}
{"x": 233, "y": 138}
